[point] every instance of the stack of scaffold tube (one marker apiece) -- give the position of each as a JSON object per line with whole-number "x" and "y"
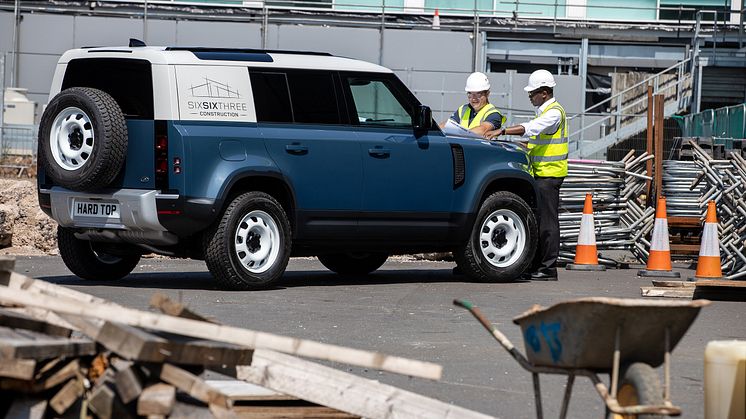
{"x": 724, "y": 181}
{"x": 621, "y": 221}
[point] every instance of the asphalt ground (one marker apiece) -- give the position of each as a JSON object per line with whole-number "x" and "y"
{"x": 406, "y": 309}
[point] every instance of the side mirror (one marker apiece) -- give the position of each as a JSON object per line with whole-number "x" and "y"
{"x": 423, "y": 119}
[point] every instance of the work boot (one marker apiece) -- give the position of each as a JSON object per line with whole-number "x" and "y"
{"x": 544, "y": 275}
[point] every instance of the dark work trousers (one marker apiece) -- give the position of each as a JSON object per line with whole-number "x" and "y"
{"x": 549, "y": 234}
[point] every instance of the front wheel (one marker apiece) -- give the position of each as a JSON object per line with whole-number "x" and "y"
{"x": 353, "y": 263}
{"x": 502, "y": 241}
{"x": 249, "y": 248}
{"x": 89, "y": 260}
{"x": 639, "y": 386}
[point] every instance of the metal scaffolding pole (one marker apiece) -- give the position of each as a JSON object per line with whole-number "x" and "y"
{"x": 16, "y": 23}
{"x": 145, "y": 22}
{"x": 583, "y": 70}
{"x": 2, "y": 100}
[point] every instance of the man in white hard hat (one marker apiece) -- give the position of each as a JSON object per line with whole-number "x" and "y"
{"x": 478, "y": 115}
{"x": 547, "y": 143}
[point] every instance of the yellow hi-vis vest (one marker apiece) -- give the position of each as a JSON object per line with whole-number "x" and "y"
{"x": 548, "y": 152}
{"x": 464, "y": 112}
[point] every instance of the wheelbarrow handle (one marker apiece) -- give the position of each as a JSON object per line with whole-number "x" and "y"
{"x": 504, "y": 341}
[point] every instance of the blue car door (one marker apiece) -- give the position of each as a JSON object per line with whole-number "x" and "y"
{"x": 407, "y": 179}
{"x": 317, "y": 154}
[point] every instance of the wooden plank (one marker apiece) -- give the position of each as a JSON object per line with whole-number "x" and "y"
{"x": 27, "y": 344}
{"x": 673, "y": 284}
{"x": 145, "y": 346}
{"x": 156, "y": 399}
{"x": 290, "y": 412}
{"x": 17, "y": 320}
{"x": 221, "y": 333}
{"x": 343, "y": 391}
{"x": 193, "y": 386}
{"x": 667, "y": 292}
{"x": 684, "y": 222}
{"x": 172, "y": 308}
{"x": 721, "y": 290}
{"x": 105, "y": 404}
{"x": 7, "y": 263}
{"x": 238, "y": 390}
{"x": 27, "y": 408}
{"x": 22, "y": 369}
{"x": 44, "y": 379}
{"x": 726, "y": 283}
{"x": 128, "y": 384}
{"x": 67, "y": 396}
{"x": 684, "y": 249}
{"x": 42, "y": 315}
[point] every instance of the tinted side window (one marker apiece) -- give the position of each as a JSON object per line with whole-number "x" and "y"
{"x": 128, "y": 81}
{"x": 376, "y": 104}
{"x": 314, "y": 98}
{"x": 271, "y": 97}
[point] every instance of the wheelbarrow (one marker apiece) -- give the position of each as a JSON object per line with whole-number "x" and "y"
{"x": 591, "y": 336}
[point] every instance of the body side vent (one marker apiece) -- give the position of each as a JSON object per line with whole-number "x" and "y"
{"x": 459, "y": 166}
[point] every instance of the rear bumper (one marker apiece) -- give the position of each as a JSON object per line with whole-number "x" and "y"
{"x": 138, "y": 221}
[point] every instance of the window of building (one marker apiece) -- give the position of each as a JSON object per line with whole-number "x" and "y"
{"x": 376, "y": 105}
{"x": 271, "y": 97}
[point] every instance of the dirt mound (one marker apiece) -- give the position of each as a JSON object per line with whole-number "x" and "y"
{"x": 24, "y": 228}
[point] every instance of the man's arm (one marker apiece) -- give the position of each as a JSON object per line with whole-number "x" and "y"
{"x": 483, "y": 129}
{"x": 549, "y": 122}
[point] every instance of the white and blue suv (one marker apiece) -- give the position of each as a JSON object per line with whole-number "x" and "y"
{"x": 244, "y": 158}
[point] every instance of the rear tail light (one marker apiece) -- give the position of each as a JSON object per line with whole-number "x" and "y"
{"x": 161, "y": 155}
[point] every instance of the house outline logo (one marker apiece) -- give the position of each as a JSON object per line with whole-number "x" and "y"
{"x": 214, "y": 89}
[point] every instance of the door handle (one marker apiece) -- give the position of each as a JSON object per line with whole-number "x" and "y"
{"x": 296, "y": 149}
{"x": 379, "y": 152}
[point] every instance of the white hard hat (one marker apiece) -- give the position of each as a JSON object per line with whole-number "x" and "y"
{"x": 477, "y": 82}
{"x": 539, "y": 78}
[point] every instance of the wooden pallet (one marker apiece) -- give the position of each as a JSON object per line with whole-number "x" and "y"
{"x": 723, "y": 290}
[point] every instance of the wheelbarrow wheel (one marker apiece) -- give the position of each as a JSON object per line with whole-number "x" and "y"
{"x": 639, "y": 386}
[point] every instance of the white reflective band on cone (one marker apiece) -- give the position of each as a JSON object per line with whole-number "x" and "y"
{"x": 586, "y": 230}
{"x": 710, "y": 245}
{"x": 660, "y": 235}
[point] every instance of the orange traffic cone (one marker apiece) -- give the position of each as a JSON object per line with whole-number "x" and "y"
{"x": 586, "y": 256}
{"x": 659, "y": 260}
{"x": 436, "y": 20}
{"x": 708, "y": 264}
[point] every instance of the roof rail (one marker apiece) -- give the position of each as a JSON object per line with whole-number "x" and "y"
{"x": 246, "y": 51}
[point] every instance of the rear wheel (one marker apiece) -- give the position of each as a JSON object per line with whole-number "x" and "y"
{"x": 639, "y": 386}
{"x": 249, "y": 248}
{"x": 353, "y": 263}
{"x": 89, "y": 260}
{"x": 502, "y": 241}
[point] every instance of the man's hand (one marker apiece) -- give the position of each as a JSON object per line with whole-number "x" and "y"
{"x": 491, "y": 135}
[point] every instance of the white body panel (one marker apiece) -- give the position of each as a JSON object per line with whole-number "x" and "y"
{"x": 176, "y": 73}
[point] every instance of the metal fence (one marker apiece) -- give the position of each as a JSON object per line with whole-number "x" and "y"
{"x": 18, "y": 145}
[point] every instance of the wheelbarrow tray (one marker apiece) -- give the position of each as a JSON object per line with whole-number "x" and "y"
{"x": 581, "y": 333}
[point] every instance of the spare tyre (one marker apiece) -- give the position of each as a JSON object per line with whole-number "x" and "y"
{"x": 82, "y": 139}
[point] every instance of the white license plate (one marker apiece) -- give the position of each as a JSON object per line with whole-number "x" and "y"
{"x": 95, "y": 209}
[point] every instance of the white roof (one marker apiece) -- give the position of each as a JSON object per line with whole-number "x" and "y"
{"x": 162, "y": 56}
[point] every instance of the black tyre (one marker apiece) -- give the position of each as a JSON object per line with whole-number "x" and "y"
{"x": 502, "y": 241}
{"x": 353, "y": 263}
{"x": 639, "y": 386}
{"x": 88, "y": 260}
{"x": 249, "y": 247}
{"x": 82, "y": 139}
